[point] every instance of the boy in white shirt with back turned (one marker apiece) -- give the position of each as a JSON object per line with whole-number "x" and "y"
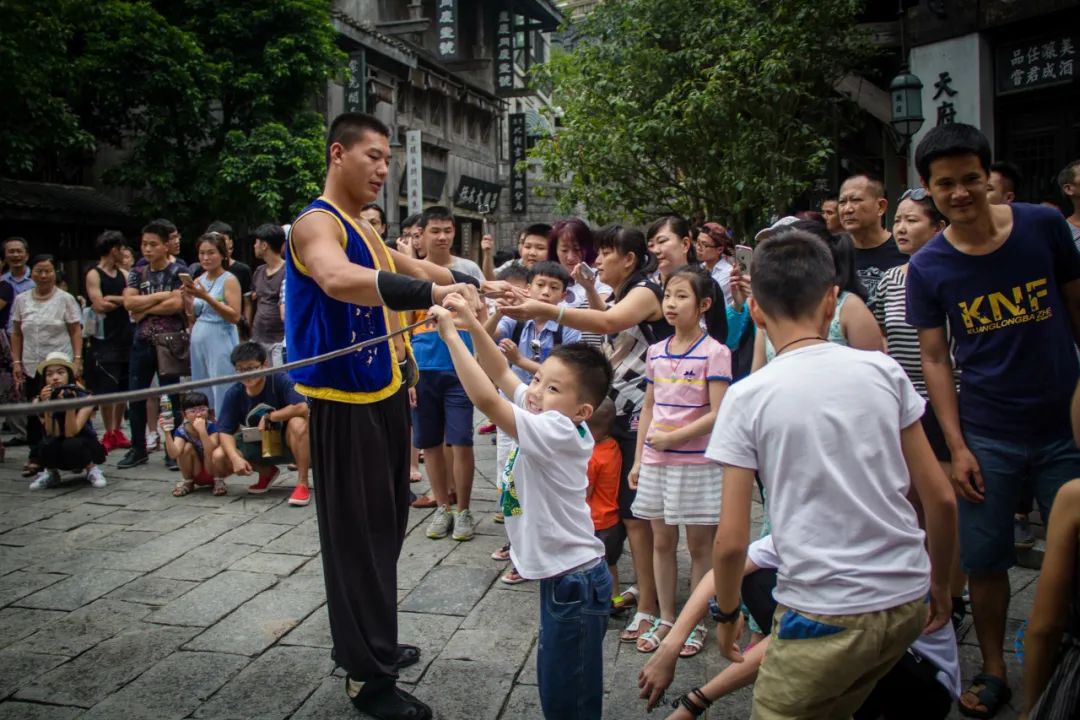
{"x": 543, "y": 484}
{"x": 835, "y": 435}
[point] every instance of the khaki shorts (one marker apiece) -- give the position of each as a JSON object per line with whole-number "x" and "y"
{"x": 823, "y": 667}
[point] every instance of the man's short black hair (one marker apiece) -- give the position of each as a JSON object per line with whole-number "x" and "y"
{"x": 591, "y": 367}
{"x": 552, "y": 270}
{"x": 539, "y": 229}
{"x": 792, "y": 272}
{"x": 952, "y": 140}
{"x": 376, "y": 206}
{"x": 221, "y": 227}
{"x": 18, "y": 239}
{"x": 349, "y": 127}
{"x": 168, "y": 224}
{"x": 109, "y": 240}
{"x": 156, "y": 227}
{"x": 1008, "y": 171}
{"x": 272, "y": 234}
{"x": 1067, "y": 176}
{"x": 193, "y": 399}
{"x": 411, "y": 221}
{"x": 872, "y": 181}
{"x": 514, "y": 271}
{"x": 435, "y": 212}
{"x": 249, "y": 350}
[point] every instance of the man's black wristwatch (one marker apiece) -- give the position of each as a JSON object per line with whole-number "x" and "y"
{"x": 719, "y": 615}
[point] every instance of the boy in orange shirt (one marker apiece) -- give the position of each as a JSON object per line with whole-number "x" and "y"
{"x": 603, "y": 492}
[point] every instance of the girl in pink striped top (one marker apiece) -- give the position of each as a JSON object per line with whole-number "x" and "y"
{"x": 688, "y": 374}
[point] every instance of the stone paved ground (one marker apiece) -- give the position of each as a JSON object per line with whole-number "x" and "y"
{"x": 127, "y": 603}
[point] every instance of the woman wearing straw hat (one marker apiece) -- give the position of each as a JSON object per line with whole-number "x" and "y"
{"x": 70, "y": 444}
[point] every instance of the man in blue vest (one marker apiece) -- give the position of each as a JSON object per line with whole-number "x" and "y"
{"x": 343, "y": 285}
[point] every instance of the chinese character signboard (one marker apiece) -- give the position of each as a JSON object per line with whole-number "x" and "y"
{"x": 504, "y": 53}
{"x": 1036, "y": 64}
{"x": 413, "y": 176}
{"x": 446, "y": 28}
{"x": 476, "y": 195}
{"x": 356, "y": 85}
{"x": 519, "y": 192}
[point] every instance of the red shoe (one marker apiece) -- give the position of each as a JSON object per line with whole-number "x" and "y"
{"x": 108, "y": 442}
{"x": 120, "y": 440}
{"x": 301, "y": 496}
{"x": 266, "y": 479}
{"x": 486, "y": 429}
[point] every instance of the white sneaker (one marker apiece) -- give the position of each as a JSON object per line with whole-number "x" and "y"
{"x": 152, "y": 441}
{"x": 45, "y": 479}
{"x": 441, "y": 522}
{"x": 96, "y": 478}
{"x": 464, "y": 526}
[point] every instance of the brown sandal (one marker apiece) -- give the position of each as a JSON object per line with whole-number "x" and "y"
{"x": 220, "y": 488}
{"x": 183, "y": 487}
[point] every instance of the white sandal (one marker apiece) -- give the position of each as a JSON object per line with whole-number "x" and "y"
{"x": 635, "y": 626}
{"x": 649, "y": 636}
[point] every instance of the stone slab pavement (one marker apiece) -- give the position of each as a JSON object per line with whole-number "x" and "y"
{"x": 125, "y": 602}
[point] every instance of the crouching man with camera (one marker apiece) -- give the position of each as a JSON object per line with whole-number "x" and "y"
{"x": 263, "y": 424}
{"x": 71, "y": 443}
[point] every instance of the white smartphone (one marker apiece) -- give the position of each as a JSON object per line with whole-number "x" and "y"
{"x": 744, "y": 254}
{"x": 588, "y": 271}
{"x": 185, "y": 278}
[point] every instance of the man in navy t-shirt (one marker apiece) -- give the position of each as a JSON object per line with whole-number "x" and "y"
{"x": 273, "y": 400}
{"x": 1005, "y": 279}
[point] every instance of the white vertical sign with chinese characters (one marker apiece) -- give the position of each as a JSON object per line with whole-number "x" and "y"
{"x": 504, "y": 53}
{"x": 414, "y": 179}
{"x": 446, "y": 28}
{"x": 958, "y": 87}
{"x": 519, "y": 192}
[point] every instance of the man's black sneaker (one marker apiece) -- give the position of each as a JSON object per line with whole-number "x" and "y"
{"x": 382, "y": 699}
{"x": 132, "y": 458}
{"x": 171, "y": 464}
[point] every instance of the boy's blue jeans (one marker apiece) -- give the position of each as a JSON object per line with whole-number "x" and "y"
{"x": 570, "y": 665}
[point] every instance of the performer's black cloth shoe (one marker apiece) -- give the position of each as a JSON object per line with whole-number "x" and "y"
{"x": 382, "y": 699}
{"x": 407, "y": 655}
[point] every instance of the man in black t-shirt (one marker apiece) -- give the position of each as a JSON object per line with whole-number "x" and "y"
{"x": 862, "y": 206}
{"x": 152, "y": 296}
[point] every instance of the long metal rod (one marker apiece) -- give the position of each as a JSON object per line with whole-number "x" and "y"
{"x": 127, "y": 396}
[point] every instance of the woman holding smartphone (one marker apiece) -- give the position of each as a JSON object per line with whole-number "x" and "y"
{"x": 212, "y": 302}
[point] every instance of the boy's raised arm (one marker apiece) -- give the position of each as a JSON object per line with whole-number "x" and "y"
{"x": 491, "y": 359}
{"x": 470, "y": 372}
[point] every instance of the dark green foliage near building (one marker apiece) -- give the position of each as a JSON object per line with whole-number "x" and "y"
{"x": 202, "y": 108}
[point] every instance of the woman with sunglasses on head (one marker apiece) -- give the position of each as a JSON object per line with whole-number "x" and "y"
{"x": 917, "y": 221}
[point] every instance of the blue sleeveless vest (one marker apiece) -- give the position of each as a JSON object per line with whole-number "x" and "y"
{"x": 315, "y": 324}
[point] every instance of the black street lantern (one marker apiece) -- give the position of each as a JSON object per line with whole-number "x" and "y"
{"x": 907, "y": 115}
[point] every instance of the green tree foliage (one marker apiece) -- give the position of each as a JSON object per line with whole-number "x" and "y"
{"x": 208, "y": 104}
{"x": 721, "y": 107}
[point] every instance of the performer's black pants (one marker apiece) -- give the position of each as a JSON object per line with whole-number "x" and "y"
{"x": 360, "y": 465}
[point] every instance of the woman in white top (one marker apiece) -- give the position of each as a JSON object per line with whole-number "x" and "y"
{"x": 45, "y": 319}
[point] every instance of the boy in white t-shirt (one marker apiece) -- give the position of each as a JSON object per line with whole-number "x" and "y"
{"x": 835, "y": 435}
{"x": 543, "y": 484}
